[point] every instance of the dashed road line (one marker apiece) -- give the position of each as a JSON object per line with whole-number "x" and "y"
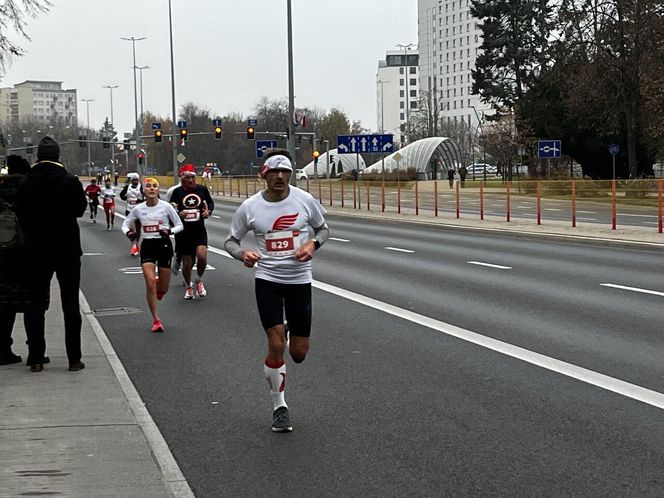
{"x": 634, "y": 289}
{"x": 397, "y": 249}
{"x": 490, "y": 265}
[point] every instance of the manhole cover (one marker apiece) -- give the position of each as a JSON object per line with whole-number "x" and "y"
{"x": 115, "y": 311}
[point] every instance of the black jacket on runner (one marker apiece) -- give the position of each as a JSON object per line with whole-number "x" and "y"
{"x": 49, "y": 202}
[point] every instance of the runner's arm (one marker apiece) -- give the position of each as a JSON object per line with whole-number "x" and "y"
{"x": 232, "y": 246}
{"x": 128, "y": 223}
{"x": 123, "y": 192}
{"x": 175, "y": 220}
{"x": 321, "y": 234}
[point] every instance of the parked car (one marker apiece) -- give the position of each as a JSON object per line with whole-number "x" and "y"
{"x": 300, "y": 174}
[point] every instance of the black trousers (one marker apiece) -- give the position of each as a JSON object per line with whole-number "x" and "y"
{"x": 7, "y": 319}
{"x": 68, "y": 272}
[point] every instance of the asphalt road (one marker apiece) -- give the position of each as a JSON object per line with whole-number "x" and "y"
{"x": 443, "y": 363}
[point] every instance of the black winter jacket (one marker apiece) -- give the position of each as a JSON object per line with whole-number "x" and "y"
{"x": 49, "y": 202}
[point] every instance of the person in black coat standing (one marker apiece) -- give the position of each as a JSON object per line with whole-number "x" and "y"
{"x": 14, "y": 291}
{"x": 53, "y": 245}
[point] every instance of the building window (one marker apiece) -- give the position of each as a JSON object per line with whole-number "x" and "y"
{"x": 413, "y": 105}
{"x": 401, "y": 82}
{"x": 402, "y": 116}
{"x": 402, "y": 105}
{"x": 412, "y": 70}
{"x": 400, "y": 70}
{"x": 413, "y": 81}
{"x": 413, "y": 93}
{"x": 402, "y": 94}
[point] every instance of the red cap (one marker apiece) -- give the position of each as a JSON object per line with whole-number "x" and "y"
{"x": 187, "y": 168}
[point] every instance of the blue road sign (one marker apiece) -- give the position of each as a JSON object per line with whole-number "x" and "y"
{"x": 252, "y": 122}
{"x": 216, "y": 122}
{"x": 614, "y": 149}
{"x": 182, "y": 124}
{"x": 353, "y": 144}
{"x": 156, "y": 126}
{"x": 548, "y": 148}
{"x": 263, "y": 145}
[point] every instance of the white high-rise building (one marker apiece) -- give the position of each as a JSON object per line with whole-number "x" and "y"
{"x": 397, "y": 92}
{"x": 449, "y": 40}
{"x": 45, "y": 101}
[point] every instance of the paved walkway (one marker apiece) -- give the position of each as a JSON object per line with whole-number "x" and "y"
{"x": 82, "y": 434}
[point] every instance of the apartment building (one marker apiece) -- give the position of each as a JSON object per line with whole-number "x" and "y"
{"x": 43, "y": 101}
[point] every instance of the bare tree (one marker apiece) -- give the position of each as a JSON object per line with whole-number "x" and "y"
{"x": 13, "y": 16}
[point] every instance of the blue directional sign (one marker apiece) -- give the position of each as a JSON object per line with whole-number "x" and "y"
{"x": 548, "y": 148}
{"x": 252, "y": 122}
{"x": 354, "y": 144}
{"x": 216, "y": 122}
{"x": 263, "y": 145}
{"x": 614, "y": 149}
{"x": 156, "y": 126}
{"x": 182, "y": 124}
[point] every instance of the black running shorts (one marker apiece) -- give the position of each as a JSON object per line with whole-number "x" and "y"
{"x": 158, "y": 251}
{"x": 189, "y": 239}
{"x": 295, "y": 299}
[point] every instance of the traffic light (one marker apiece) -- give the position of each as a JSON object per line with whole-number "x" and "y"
{"x": 251, "y": 133}
{"x": 316, "y": 155}
{"x": 81, "y": 140}
{"x": 157, "y": 135}
{"x": 184, "y": 134}
{"x": 106, "y": 143}
{"x": 217, "y": 132}
{"x": 125, "y": 145}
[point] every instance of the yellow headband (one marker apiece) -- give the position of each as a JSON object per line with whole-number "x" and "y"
{"x": 151, "y": 180}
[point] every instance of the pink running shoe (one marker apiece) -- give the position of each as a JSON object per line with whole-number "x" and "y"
{"x": 157, "y": 326}
{"x": 200, "y": 289}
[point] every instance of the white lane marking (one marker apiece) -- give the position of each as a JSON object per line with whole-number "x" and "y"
{"x": 215, "y": 216}
{"x": 587, "y": 212}
{"x": 479, "y": 263}
{"x": 638, "y": 215}
{"x": 552, "y": 209}
{"x": 634, "y": 289}
{"x": 220, "y": 252}
{"x": 339, "y": 240}
{"x": 586, "y": 219}
{"x": 591, "y": 377}
{"x": 169, "y": 468}
{"x": 650, "y": 222}
{"x": 93, "y": 254}
{"x": 399, "y": 250}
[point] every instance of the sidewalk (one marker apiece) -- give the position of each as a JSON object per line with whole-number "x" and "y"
{"x": 79, "y": 434}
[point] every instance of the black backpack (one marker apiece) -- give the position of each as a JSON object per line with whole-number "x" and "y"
{"x": 11, "y": 235}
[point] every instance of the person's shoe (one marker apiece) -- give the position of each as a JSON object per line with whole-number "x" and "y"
{"x": 94, "y": 221}
{"x": 200, "y": 289}
{"x": 75, "y": 367}
{"x": 175, "y": 266}
{"x": 281, "y": 420}
{"x": 44, "y": 361}
{"x": 8, "y": 358}
{"x": 157, "y": 326}
{"x": 36, "y": 367}
{"x": 134, "y": 250}
{"x": 189, "y": 292}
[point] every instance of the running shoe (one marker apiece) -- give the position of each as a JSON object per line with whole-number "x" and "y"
{"x": 175, "y": 266}
{"x": 157, "y": 326}
{"x": 134, "y": 250}
{"x": 281, "y": 420}
{"x": 94, "y": 220}
{"x": 200, "y": 289}
{"x": 189, "y": 292}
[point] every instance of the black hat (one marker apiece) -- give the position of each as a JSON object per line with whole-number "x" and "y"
{"x": 48, "y": 150}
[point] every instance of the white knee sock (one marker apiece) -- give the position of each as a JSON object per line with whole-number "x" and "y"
{"x": 276, "y": 378}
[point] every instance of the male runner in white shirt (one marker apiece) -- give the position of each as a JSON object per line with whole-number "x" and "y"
{"x": 280, "y": 217}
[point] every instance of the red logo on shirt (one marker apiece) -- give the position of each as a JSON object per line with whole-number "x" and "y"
{"x": 284, "y": 222}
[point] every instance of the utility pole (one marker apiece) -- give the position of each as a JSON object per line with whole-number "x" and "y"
{"x": 291, "y": 92}
{"x": 174, "y": 147}
{"x": 87, "y": 107}
{"x": 137, "y": 132}
{"x": 111, "y": 138}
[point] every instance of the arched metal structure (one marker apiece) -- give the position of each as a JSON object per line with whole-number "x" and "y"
{"x": 428, "y": 155}
{"x": 339, "y": 163}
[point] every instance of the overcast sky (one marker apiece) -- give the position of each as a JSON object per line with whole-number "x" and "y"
{"x": 228, "y": 53}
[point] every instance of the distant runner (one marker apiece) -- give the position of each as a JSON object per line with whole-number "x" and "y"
{"x": 108, "y": 201}
{"x": 132, "y": 192}
{"x": 93, "y": 191}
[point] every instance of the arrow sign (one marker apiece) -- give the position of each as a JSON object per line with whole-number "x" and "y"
{"x": 263, "y": 145}
{"x": 156, "y": 126}
{"x": 352, "y": 144}
{"x": 614, "y": 149}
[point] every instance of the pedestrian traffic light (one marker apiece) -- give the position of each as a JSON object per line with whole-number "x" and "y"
{"x": 183, "y": 134}
{"x": 157, "y": 135}
{"x": 126, "y": 145}
{"x": 81, "y": 140}
{"x": 251, "y": 133}
{"x": 217, "y": 132}
{"x": 316, "y": 155}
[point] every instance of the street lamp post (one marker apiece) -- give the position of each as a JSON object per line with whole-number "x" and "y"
{"x": 291, "y": 91}
{"x": 137, "y": 134}
{"x": 382, "y": 106}
{"x": 174, "y": 147}
{"x": 140, "y": 78}
{"x": 87, "y": 107}
{"x": 111, "y": 87}
{"x": 405, "y": 51}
